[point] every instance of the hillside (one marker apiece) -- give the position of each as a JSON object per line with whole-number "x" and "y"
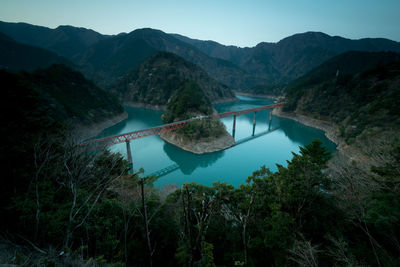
{"x": 63, "y": 96}
{"x": 104, "y": 59}
{"x": 163, "y": 76}
{"x": 65, "y": 41}
{"x": 358, "y": 92}
{"x": 15, "y": 56}
{"x": 199, "y": 136}
{"x": 291, "y": 57}
{"x": 116, "y": 56}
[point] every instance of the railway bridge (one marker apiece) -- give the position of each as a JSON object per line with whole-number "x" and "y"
{"x": 127, "y": 137}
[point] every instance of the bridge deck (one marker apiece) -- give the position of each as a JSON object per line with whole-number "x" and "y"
{"x": 112, "y": 140}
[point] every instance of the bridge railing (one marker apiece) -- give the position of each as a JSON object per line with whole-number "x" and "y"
{"x": 240, "y": 112}
{"x": 121, "y": 138}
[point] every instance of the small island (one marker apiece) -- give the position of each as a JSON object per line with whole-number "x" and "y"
{"x": 206, "y": 134}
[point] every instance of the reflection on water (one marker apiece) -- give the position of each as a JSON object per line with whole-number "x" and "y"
{"x": 188, "y": 162}
{"x": 233, "y": 165}
{"x": 303, "y": 134}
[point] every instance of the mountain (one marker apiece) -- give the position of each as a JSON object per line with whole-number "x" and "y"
{"x": 116, "y": 56}
{"x": 104, "y": 59}
{"x": 291, "y": 57}
{"x": 62, "y": 95}
{"x": 262, "y": 69}
{"x": 359, "y": 91}
{"x": 15, "y": 56}
{"x": 66, "y": 41}
{"x": 164, "y": 75}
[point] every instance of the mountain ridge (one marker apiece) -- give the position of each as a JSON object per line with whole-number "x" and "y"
{"x": 106, "y": 58}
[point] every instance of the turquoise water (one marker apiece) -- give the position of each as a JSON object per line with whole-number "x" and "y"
{"x": 233, "y": 165}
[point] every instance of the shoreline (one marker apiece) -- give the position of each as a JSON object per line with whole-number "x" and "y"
{"x": 164, "y": 107}
{"x": 349, "y": 153}
{"x": 202, "y": 146}
{"x": 90, "y": 131}
{"x": 329, "y": 128}
{"x": 274, "y": 97}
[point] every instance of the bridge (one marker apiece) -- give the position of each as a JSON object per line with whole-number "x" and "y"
{"x": 127, "y": 137}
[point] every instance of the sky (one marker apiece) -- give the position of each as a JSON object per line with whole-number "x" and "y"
{"x": 230, "y": 22}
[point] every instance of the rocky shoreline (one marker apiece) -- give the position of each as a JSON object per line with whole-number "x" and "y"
{"x": 201, "y": 146}
{"x": 89, "y": 131}
{"x": 144, "y": 105}
{"x": 350, "y": 153}
{"x": 259, "y": 96}
{"x": 164, "y": 107}
{"x": 331, "y": 130}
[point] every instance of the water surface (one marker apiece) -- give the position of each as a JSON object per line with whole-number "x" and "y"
{"x": 233, "y": 165}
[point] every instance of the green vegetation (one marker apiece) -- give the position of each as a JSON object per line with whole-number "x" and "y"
{"x": 65, "y": 95}
{"x": 64, "y": 205}
{"x": 192, "y": 102}
{"x": 187, "y": 103}
{"x": 88, "y": 207}
{"x": 204, "y": 128}
{"x": 270, "y": 90}
{"x": 73, "y": 95}
{"x": 15, "y": 56}
{"x": 356, "y": 90}
{"x": 162, "y": 76}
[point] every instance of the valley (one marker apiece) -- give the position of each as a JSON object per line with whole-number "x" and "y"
{"x": 314, "y": 183}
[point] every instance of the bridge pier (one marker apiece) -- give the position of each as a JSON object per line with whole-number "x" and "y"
{"x": 129, "y": 155}
{"x": 254, "y": 122}
{"x": 234, "y": 126}
{"x": 270, "y": 119}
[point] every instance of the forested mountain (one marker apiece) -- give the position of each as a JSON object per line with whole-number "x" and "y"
{"x": 66, "y": 41}
{"x": 291, "y": 57}
{"x": 359, "y": 93}
{"x": 61, "y": 94}
{"x": 104, "y": 59}
{"x": 63, "y": 205}
{"x": 15, "y": 56}
{"x": 163, "y": 76}
{"x": 118, "y": 55}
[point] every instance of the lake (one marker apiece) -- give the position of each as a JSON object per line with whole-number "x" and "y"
{"x": 233, "y": 165}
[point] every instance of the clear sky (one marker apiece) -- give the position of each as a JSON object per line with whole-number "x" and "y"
{"x": 230, "y": 22}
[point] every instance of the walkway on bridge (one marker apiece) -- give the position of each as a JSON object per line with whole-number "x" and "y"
{"x": 127, "y": 137}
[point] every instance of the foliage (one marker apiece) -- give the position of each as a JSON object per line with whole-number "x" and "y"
{"x": 267, "y": 89}
{"x": 162, "y": 77}
{"x": 84, "y": 205}
{"x": 186, "y": 103}
{"x": 357, "y": 90}
{"x": 191, "y": 102}
{"x": 204, "y": 128}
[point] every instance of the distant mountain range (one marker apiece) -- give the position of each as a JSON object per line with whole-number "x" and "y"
{"x": 105, "y": 59}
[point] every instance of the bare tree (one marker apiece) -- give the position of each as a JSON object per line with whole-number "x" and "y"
{"x": 236, "y": 211}
{"x": 352, "y": 187}
{"x": 304, "y": 253}
{"x": 126, "y": 190}
{"x": 43, "y": 154}
{"x": 84, "y": 174}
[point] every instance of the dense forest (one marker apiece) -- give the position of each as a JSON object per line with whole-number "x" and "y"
{"x": 69, "y": 206}
{"x": 73, "y": 207}
{"x": 66, "y": 205}
{"x": 190, "y": 102}
{"x": 358, "y": 92}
